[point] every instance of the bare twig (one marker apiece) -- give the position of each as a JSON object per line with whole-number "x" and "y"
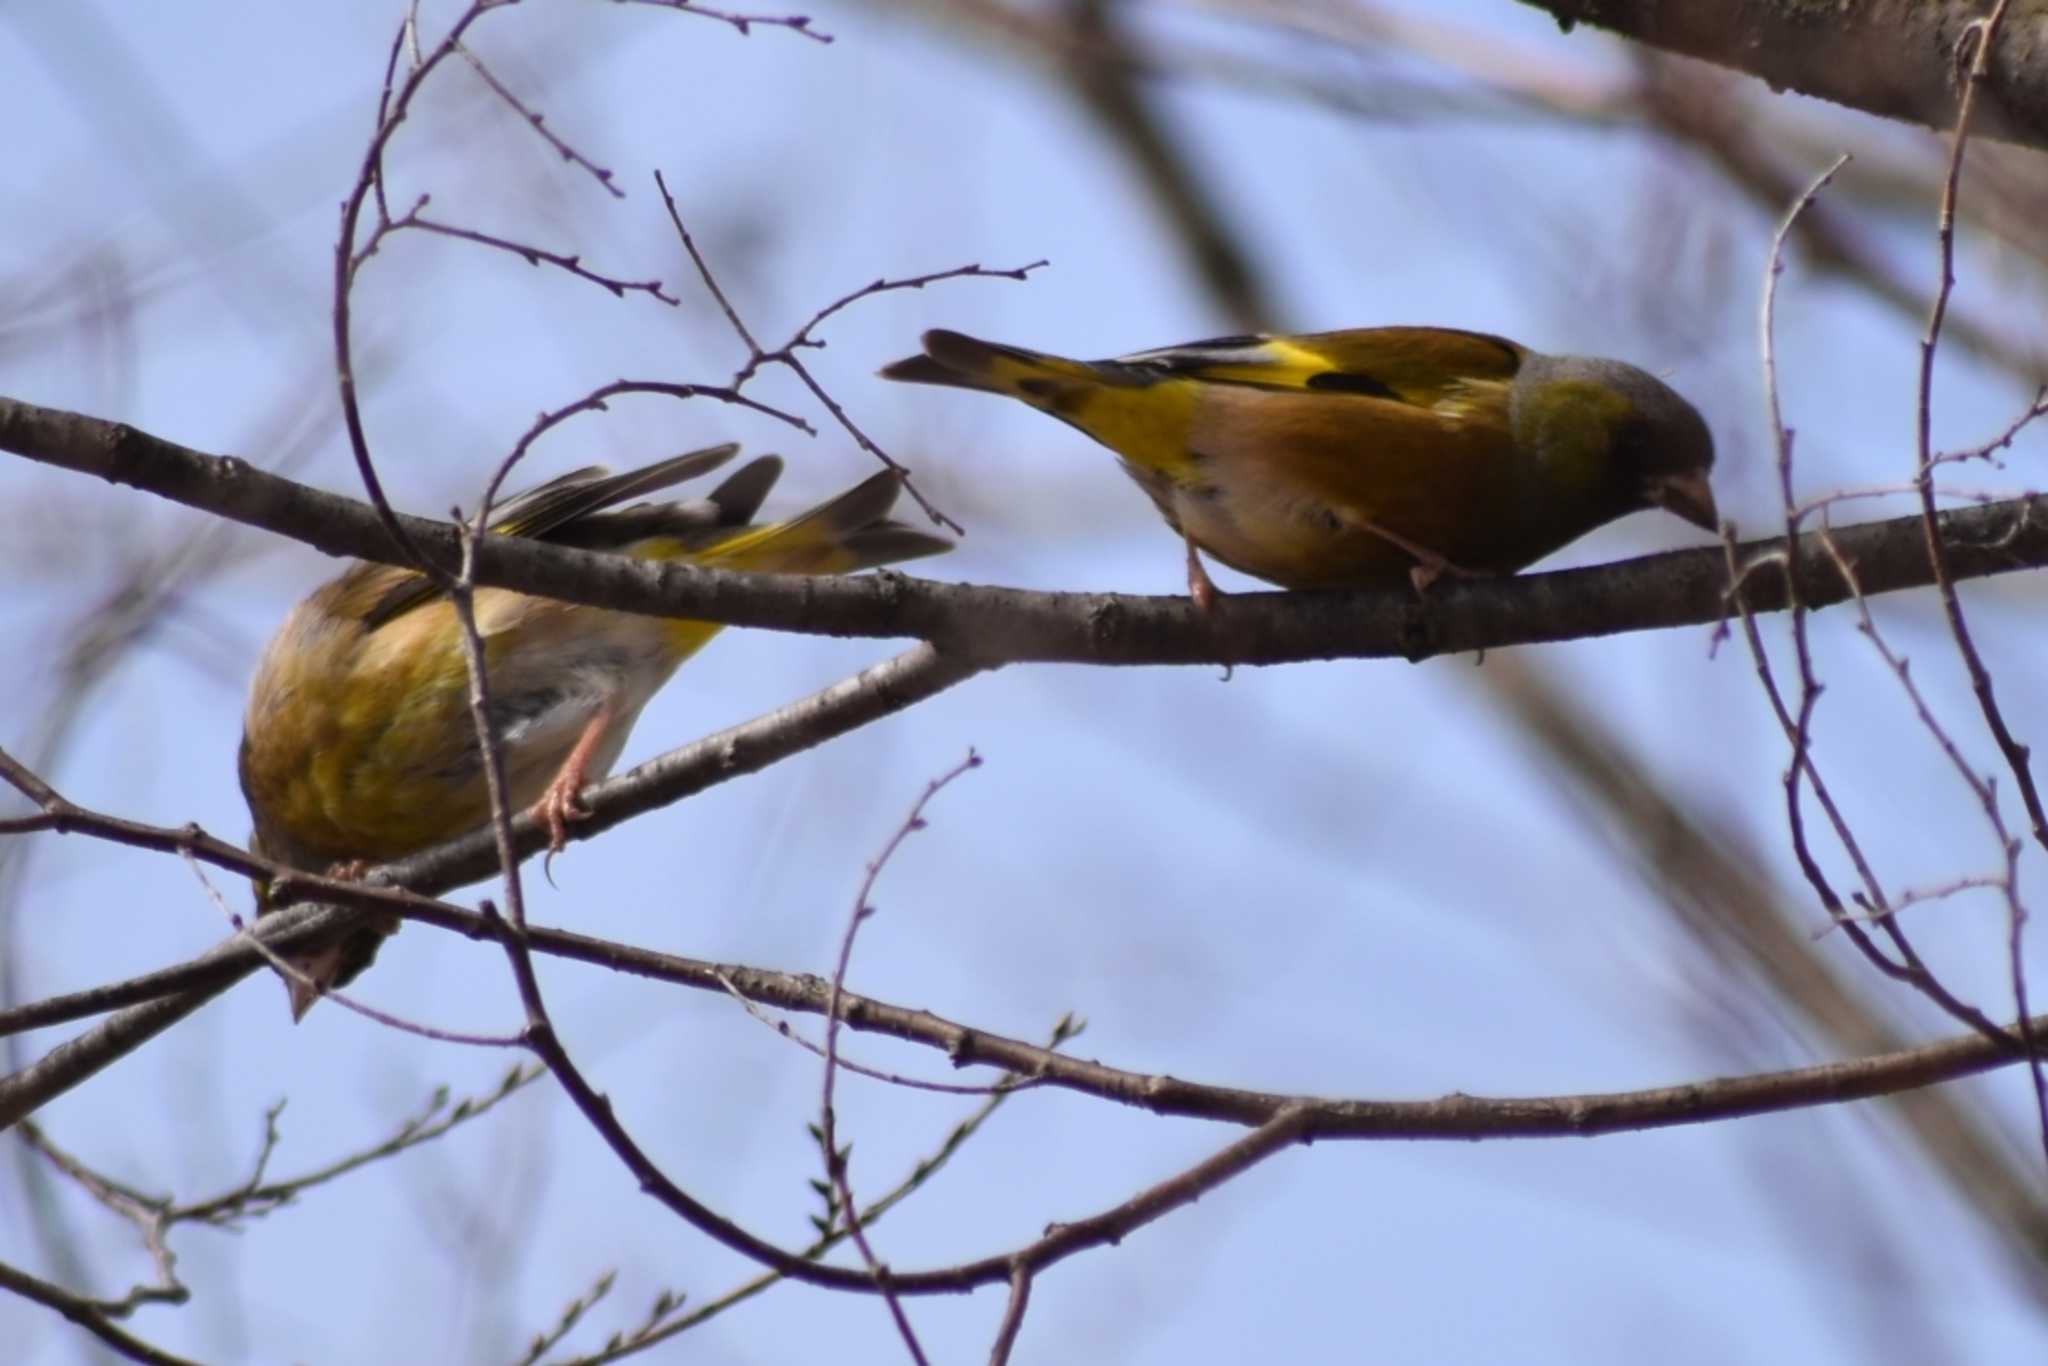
{"x": 82, "y": 1313}
{"x": 156, "y": 1216}
{"x": 1922, "y": 896}
{"x": 538, "y": 122}
{"x": 257, "y": 1196}
{"x": 354, "y": 247}
{"x": 835, "y": 1156}
{"x": 1013, "y": 1317}
{"x": 573, "y": 1313}
{"x": 802, "y": 338}
{"x": 795, "y": 23}
{"x": 532, "y": 255}
{"x": 1983, "y": 789}
{"x": 1975, "y": 47}
{"x": 658, "y": 1329}
{"x": 786, "y": 354}
{"x": 1908, "y": 967}
{"x": 598, "y": 401}
{"x": 2036, "y": 409}
{"x": 393, "y": 105}
{"x": 788, "y": 1031}
{"x": 1980, "y": 35}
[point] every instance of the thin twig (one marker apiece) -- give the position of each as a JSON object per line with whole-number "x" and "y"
{"x": 156, "y": 1216}
{"x": 1982, "y": 33}
{"x": 1976, "y": 44}
{"x": 655, "y": 1332}
{"x": 538, "y": 122}
{"x": 82, "y": 1313}
{"x": 571, "y": 1315}
{"x": 532, "y": 255}
{"x": 1797, "y": 724}
{"x": 786, "y": 354}
{"x": 392, "y": 109}
{"x": 802, "y": 337}
{"x": 1922, "y": 896}
{"x": 835, "y": 1156}
{"x": 1013, "y": 1316}
{"x": 796, "y": 23}
{"x": 817, "y": 1050}
{"x": 598, "y": 401}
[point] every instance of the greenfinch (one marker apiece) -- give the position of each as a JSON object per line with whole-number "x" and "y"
{"x": 358, "y": 745}
{"x": 1355, "y": 459}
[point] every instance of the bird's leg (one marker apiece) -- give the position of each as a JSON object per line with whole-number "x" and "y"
{"x": 1425, "y": 572}
{"x": 558, "y": 805}
{"x": 1429, "y": 566}
{"x": 1205, "y": 593}
{"x": 1200, "y": 588}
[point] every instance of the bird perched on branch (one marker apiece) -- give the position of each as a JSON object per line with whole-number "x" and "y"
{"x": 358, "y": 745}
{"x": 1357, "y": 459}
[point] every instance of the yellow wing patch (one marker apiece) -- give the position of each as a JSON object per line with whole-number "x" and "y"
{"x": 1441, "y": 369}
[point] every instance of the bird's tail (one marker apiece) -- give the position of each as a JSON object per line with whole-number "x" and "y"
{"x": 964, "y": 362}
{"x": 839, "y": 536}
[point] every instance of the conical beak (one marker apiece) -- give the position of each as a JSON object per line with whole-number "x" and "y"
{"x": 320, "y": 967}
{"x": 1688, "y": 496}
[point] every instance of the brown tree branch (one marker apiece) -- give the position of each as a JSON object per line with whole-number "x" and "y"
{"x": 995, "y": 625}
{"x": 1888, "y": 57}
{"x": 1453, "y": 1117}
{"x": 1281, "y": 1120}
{"x": 660, "y": 1327}
{"x": 83, "y": 1313}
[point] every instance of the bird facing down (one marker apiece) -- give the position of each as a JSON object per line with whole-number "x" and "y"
{"x": 1358, "y": 459}
{"x": 358, "y": 746}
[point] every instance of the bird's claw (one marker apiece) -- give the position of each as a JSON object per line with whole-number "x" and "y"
{"x": 1430, "y": 566}
{"x": 556, "y": 809}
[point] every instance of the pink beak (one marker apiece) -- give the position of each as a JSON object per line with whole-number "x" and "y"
{"x": 1689, "y": 497}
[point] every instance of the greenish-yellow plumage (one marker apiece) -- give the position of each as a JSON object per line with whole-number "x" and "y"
{"x": 1361, "y": 458}
{"x": 358, "y": 746}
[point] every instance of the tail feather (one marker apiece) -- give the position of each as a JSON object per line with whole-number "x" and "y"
{"x": 893, "y": 542}
{"x": 679, "y": 525}
{"x": 572, "y": 497}
{"x": 964, "y": 362}
{"x": 851, "y": 531}
{"x": 926, "y": 370}
{"x": 739, "y": 497}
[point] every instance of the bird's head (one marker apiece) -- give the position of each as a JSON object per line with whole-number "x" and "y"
{"x": 1630, "y": 431}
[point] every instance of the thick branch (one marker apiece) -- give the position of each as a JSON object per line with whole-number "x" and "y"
{"x": 1280, "y": 1120}
{"x": 1890, "y": 57}
{"x": 1456, "y": 1116}
{"x": 1000, "y": 624}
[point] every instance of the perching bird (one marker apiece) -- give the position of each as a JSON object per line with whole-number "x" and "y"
{"x": 1356, "y": 459}
{"x": 358, "y": 746}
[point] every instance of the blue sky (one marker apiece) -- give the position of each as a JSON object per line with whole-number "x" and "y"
{"x": 1351, "y": 878}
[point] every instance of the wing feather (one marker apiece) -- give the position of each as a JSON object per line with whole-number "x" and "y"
{"x": 1426, "y": 367}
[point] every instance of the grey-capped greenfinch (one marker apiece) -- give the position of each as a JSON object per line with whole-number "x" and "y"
{"x": 1360, "y": 458}
{"x": 358, "y": 747}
